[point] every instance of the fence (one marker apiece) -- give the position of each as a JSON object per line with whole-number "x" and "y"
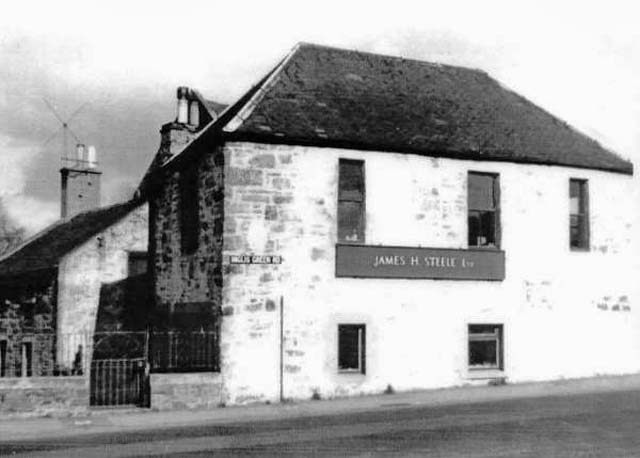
{"x": 184, "y": 351}
{"x": 51, "y": 354}
{"x": 43, "y": 354}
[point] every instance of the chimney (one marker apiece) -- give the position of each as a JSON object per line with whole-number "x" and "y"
{"x": 174, "y": 136}
{"x": 80, "y": 183}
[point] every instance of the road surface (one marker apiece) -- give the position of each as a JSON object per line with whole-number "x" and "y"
{"x": 585, "y": 425}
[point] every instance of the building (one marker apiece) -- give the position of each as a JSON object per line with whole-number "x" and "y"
{"x": 358, "y": 222}
{"x": 74, "y": 299}
{"x": 53, "y": 286}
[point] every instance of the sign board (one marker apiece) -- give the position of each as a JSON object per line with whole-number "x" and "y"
{"x": 255, "y": 259}
{"x": 367, "y": 261}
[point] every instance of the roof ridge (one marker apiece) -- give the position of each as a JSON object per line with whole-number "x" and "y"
{"x": 60, "y": 222}
{"x": 305, "y": 44}
{"x": 245, "y": 111}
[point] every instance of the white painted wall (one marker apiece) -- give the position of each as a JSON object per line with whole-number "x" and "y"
{"x": 417, "y": 329}
{"x": 102, "y": 259}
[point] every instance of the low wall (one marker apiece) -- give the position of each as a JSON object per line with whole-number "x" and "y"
{"x": 40, "y": 396}
{"x": 200, "y": 390}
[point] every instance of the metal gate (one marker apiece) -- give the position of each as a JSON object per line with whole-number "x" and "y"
{"x": 119, "y": 369}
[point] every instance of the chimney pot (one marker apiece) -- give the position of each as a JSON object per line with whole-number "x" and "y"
{"x": 91, "y": 157}
{"x": 183, "y": 105}
{"x": 194, "y": 113}
{"x": 80, "y": 154}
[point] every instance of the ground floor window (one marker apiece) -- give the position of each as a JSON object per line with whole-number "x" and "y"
{"x": 351, "y": 348}
{"x": 3, "y": 358}
{"x": 485, "y": 346}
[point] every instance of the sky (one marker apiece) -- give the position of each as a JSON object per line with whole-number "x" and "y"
{"x": 120, "y": 62}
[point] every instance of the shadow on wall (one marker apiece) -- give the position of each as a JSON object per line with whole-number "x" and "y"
{"x": 125, "y": 305}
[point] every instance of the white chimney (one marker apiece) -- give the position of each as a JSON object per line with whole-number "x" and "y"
{"x": 183, "y": 105}
{"x": 91, "y": 157}
{"x": 194, "y": 113}
{"x": 80, "y": 154}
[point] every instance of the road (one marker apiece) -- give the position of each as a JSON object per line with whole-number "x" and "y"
{"x": 585, "y": 425}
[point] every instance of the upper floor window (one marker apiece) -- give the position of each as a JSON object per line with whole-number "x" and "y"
{"x": 189, "y": 210}
{"x": 351, "y": 203}
{"x": 579, "y": 214}
{"x": 483, "y": 209}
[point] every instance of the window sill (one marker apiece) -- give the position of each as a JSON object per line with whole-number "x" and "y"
{"x": 580, "y": 250}
{"x": 484, "y": 374}
{"x": 351, "y": 372}
{"x": 483, "y": 248}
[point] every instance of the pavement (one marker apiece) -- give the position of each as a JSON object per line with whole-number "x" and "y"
{"x": 116, "y": 421}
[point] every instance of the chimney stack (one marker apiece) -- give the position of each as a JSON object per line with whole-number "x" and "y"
{"x": 174, "y": 136}
{"x": 80, "y": 183}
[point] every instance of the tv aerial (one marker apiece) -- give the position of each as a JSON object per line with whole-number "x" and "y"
{"x": 67, "y": 132}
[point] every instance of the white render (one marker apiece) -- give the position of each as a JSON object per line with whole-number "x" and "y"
{"x": 102, "y": 259}
{"x": 565, "y": 313}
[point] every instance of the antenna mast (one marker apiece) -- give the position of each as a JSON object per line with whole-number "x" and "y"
{"x": 66, "y": 130}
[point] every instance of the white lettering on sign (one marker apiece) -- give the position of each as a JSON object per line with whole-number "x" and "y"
{"x": 255, "y": 259}
{"x": 445, "y": 262}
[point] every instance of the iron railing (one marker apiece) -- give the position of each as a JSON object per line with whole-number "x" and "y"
{"x": 50, "y": 354}
{"x": 184, "y": 351}
{"x": 41, "y": 354}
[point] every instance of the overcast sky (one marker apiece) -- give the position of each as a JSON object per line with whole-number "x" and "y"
{"x": 124, "y": 59}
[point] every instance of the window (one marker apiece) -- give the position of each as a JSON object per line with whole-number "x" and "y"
{"x": 189, "y": 217}
{"x": 483, "y": 205}
{"x": 579, "y": 214}
{"x": 137, "y": 263}
{"x": 3, "y": 358}
{"x": 351, "y": 348}
{"x": 351, "y": 201}
{"x": 485, "y": 346}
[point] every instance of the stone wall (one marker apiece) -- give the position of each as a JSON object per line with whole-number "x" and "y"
{"x": 42, "y": 396}
{"x": 27, "y": 314}
{"x": 182, "y": 280}
{"x": 565, "y": 313}
{"x": 198, "y": 390}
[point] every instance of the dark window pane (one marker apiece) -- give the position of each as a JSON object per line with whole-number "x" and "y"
{"x": 575, "y": 188}
{"x": 578, "y": 211}
{"x": 484, "y": 329}
{"x": 3, "y": 358}
{"x": 483, "y": 353}
{"x": 481, "y": 192}
{"x": 351, "y": 347}
{"x": 351, "y": 178}
{"x": 350, "y": 221}
{"x": 482, "y": 228}
{"x": 189, "y": 216}
{"x": 475, "y": 230}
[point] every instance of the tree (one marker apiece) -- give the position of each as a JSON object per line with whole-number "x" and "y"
{"x": 11, "y": 235}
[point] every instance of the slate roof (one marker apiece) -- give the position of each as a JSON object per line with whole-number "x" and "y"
{"x": 44, "y": 250}
{"x": 334, "y": 97}
{"x": 214, "y": 107}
